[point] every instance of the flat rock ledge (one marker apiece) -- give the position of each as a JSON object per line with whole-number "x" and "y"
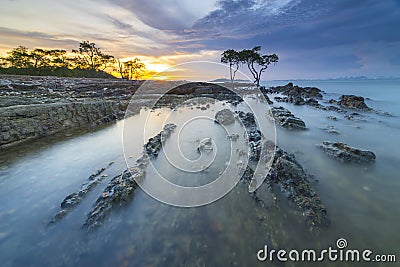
{"x": 345, "y": 153}
{"x": 286, "y": 119}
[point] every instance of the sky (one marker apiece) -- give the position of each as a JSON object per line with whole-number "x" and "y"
{"x": 313, "y": 39}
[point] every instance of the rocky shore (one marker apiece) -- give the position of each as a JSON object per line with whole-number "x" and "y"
{"x": 33, "y": 107}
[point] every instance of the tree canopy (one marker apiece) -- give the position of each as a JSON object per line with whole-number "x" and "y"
{"x": 86, "y": 61}
{"x": 232, "y": 58}
{"x": 91, "y": 57}
{"x": 256, "y": 62}
{"x": 131, "y": 69}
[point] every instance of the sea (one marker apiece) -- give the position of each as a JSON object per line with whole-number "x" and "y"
{"x": 362, "y": 200}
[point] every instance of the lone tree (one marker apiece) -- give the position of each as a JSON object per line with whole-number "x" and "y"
{"x": 232, "y": 58}
{"x": 91, "y": 57}
{"x": 252, "y": 58}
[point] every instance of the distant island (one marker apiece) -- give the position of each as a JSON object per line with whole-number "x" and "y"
{"x": 224, "y": 80}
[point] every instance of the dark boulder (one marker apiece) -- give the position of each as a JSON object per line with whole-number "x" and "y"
{"x": 225, "y": 117}
{"x": 345, "y": 153}
{"x": 353, "y": 102}
{"x": 297, "y": 91}
{"x": 286, "y": 119}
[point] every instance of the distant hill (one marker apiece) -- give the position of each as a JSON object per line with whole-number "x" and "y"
{"x": 223, "y": 80}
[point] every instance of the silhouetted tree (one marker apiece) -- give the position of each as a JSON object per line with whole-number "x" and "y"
{"x": 19, "y": 57}
{"x": 121, "y": 69}
{"x": 90, "y": 57}
{"x": 59, "y": 58}
{"x": 256, "y": 62}
{"x": 40, "y": 58}
{"x": 232, "y": 58}
{"x": 131, "y": 69}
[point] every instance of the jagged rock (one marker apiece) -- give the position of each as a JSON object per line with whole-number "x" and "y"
{"x": 75, "y": 198}
{"x": 265, "y": 93}
{"x": 313, "y": 102}
{"x": 297, "y": 91}
{"x": 153, "y": 146}
{"x": 334, "y": 108}
{"x": 296, "y": 100}
{"x": 333, "y": 118}
{"x": 330, "y": 129}
{"x": 225, "y": 117}
{"x": 294, "y": 183}
{"x": 116, "y": 193}
{"x": 344, "y": 153}
{"x": 205, "y": 145}
{"x": 247, "y": 119}
{"x": 233, "y": 137}
{"x": 280, "y": 99}
{"x": 286, "y": 119}
{"x": 121, "y": 187}
{"x": 355, "y": 117}
{"x": 255, "y": 140}
{"x": 353, "y": 102}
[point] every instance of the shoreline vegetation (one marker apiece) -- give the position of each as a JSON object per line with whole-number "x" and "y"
{"x": 88, "y": 61}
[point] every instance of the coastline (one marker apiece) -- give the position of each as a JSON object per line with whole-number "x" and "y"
{"x": 287, "y": 213}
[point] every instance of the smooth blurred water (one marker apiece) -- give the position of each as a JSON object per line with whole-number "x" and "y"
{"x": 362, "y": 201}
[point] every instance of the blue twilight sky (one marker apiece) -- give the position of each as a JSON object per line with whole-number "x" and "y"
{"x": 314, "y": 39}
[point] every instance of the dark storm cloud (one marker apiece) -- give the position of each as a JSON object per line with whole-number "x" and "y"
{"x": 329, "y": 34}
{"x": 308, "y": 23}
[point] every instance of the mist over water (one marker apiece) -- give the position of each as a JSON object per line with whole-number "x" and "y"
{"x": 362, "y": 201}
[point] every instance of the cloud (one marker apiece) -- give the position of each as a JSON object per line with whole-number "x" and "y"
{"x": 13, "y": 38}
{"x": 311, "y": 37}
{"x": 316, "y": 36}
{"x": 168, "y": 14}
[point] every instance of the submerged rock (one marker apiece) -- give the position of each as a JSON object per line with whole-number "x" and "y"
{"x": 117, "y": 192}
{"x": 353, "y": 102}
{"x": 233, "y": 137}
{"x": 248, "y": 120}
{"x": 121, "y": 187}
{"x": 356, "y": 117}
{"x": 265, "y": 94}
{"x": 225, "y": 117}
{"x": 205, "y": 145}
{"x": 333, "y": 118}
{"x": 255, "y": 140}
{"x": 153, "y": 146}
{"x": 330, "y": 129}
{"x": 294, "y": 183}
{"x": 286, "y": 119}
{"x": 344, "y": 153}
{"x": 297, "y": 91}
{"x": 75, "y": 198}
